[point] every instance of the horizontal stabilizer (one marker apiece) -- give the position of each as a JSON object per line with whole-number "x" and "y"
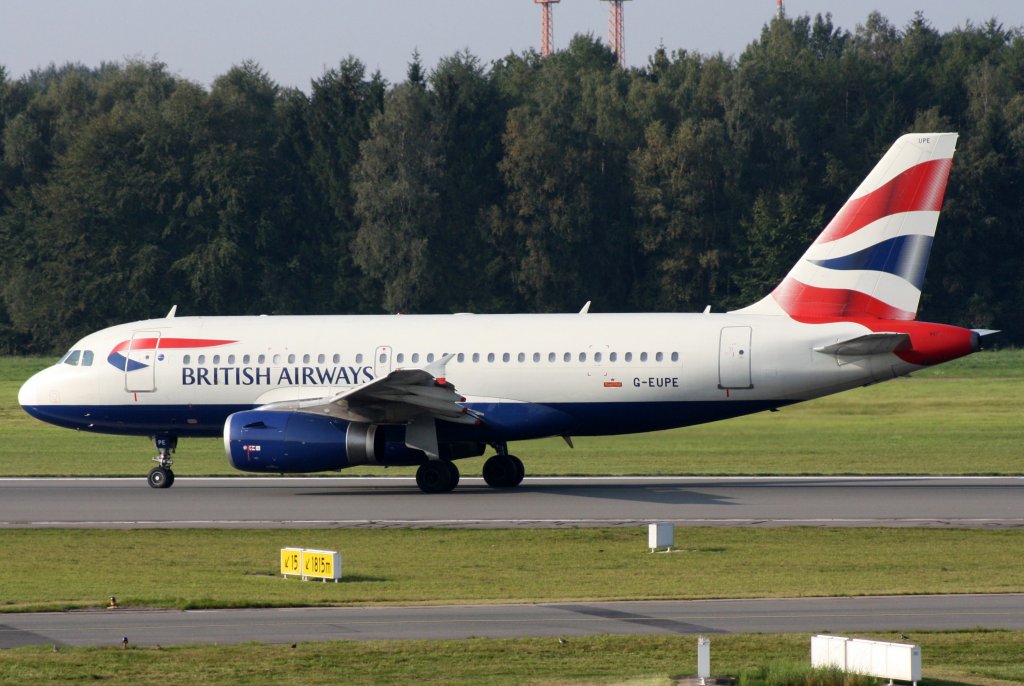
{"x": 869, "y": 344}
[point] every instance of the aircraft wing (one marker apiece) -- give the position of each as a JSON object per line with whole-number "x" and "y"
{"x": 868, "y": 344}
{"x": 401, "y": 397}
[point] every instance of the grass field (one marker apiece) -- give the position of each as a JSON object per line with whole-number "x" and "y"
{"x": 191, "y": 569}
{"x": 966, "y": 417}
{"x": 982, "y": 658}
{"x": 963, "y": 418}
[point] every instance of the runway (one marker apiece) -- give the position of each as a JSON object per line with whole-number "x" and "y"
{"x": 241, "y": 502}
{"x": 815, "y": 615}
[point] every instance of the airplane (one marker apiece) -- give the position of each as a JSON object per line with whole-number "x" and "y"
{"x": 301, "y": 394}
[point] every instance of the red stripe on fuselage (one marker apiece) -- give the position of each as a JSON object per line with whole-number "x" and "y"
{"x": 917, "y": 189}
{"x": 151, "y": 343}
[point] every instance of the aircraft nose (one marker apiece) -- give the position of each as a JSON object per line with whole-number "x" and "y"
{"x": 29, "y": 393}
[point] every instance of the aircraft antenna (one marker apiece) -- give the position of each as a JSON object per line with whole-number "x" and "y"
{"x": 616, "y": 31}
{"x": 547, "y": 27}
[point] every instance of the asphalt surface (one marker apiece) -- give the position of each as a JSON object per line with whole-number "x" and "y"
{"x": 975, "y": 502}
{"x": 816, "y": 615}
{"x": 979, "y": 502}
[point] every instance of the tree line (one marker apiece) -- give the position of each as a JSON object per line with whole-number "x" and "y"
{"x": 528, "y": 184}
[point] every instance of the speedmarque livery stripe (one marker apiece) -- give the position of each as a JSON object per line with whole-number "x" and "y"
{"x": 870, "y": 260}
{"x": 123, "y": 363}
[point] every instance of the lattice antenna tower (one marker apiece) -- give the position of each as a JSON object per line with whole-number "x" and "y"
{"x": 616, "y": 30}
{"x": 780, "y": 11}
{"x": 547, "y": 27}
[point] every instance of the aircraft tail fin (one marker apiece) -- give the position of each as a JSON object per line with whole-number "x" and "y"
{"x": 871, "y": 258}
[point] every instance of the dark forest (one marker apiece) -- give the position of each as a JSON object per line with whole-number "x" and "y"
{"x": 526, "y": 185}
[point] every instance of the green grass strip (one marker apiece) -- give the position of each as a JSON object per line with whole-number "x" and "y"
{"x": 990, "y": 658}
{"x": 170, "y": 568}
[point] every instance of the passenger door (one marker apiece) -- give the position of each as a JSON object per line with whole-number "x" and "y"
{"x": 734, "y": 358}
{"x": 140, "y": 364}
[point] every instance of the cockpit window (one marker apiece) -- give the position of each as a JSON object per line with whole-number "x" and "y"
{"x": 87, "y": 358}
{"x": 72, "y": 358}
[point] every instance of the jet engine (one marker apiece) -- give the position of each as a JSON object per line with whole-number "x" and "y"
{"x": 277, "y": 441}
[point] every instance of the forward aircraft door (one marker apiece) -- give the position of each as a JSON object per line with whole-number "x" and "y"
{"x": 140, "y": 362}
{"x": 734, "y": 358}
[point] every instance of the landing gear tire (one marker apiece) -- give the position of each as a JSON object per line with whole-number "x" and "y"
{"x": 504, "y": 471}
{"x": 437, "y": 476}
{"x": 160, "y": 477}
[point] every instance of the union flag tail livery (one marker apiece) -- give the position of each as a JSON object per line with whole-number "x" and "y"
{"x": 871, "y": 258}
{"x": 318, "y": 393}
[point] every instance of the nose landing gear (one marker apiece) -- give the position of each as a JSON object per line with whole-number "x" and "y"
{"x": 161, "y": 476}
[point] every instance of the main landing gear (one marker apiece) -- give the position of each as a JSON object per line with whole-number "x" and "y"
{"x": 161, "y": 476}
{"x": 500, "y": 471}
{"x": 437, "y": 476}
{"x": 504, "y": 471}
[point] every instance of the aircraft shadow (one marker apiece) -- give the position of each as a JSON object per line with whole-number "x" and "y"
{"x": 664, "y": 494}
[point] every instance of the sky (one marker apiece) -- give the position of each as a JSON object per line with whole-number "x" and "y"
{"x": 295, "y": 42}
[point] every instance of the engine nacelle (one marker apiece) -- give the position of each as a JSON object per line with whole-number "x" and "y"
{"x": 275, "y": 441}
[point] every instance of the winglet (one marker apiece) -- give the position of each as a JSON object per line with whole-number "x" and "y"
{"x": 170, "y": 315}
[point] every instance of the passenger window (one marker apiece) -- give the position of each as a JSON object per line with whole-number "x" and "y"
{"x": 552, "y": 357}
{"x": 461, "y": 358}
{"x": 675, "y": 357}
{"x": 505, "y": 357}
{"x": 476, "y": 357}
{"x": 246, "y": 358}
{"x": 659, "y": 356}
{"x": 337, "y": 358}
{"x": 72, "y": 357}
{"x": 612, "y": 357}
{"x": 276, "y": 359}
{"x": 400, "y": 358}
{"x": 306, "y": 358}
{"x": 415, "y": 358}
{"x": 291, "y": 358}
{"x": 261, "y": 359}
{"x": 384, "y": 358}
{"x": 201, "y": 360}
{"x": 187, "y": 359}
{"x": 583, "y": 357}
{"x": 597, "y": 357}
{"x": 430, "y": 357}
{"x": 643, "y": 357}
{"x": 490, "y": 357}
{"x": 321, "y": 358}
{"x": 567, "y": 357}
{"x": 231, "y": 359}
{"x": 629, "y": 357}
{"x": 216, "y": 359}
{"x": 359, "y": 358}
{"x": 536, "y": 357}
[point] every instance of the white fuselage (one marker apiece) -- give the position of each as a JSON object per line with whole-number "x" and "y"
{"x": 606, "y": 373}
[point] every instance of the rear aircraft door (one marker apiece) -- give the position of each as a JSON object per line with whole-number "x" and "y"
{"x": 381, "y": 361}
{"x": 734, "y": 358}
{"x": 140, "y": 362}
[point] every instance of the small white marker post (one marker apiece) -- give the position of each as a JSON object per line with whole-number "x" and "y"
{"x": 660, "y": 535}
{"x": 703, "y": 659}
